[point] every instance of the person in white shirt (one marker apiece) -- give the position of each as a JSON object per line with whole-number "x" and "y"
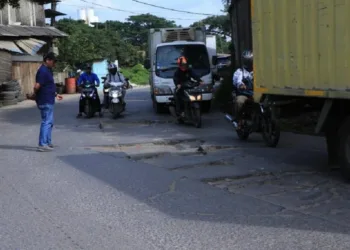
{"x": 113, "y": 76}
{"x": 243, "y": 82}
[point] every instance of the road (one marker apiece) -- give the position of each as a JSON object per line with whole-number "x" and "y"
{"x": 143, "y": 182}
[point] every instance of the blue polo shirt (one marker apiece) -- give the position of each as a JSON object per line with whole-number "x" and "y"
{"x": 92, "y": 78}
{"x": 47, "y": 90}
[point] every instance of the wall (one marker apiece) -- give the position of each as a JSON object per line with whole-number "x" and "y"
{"x": 30, "y": 14}
{"x": 25, "y": 73}
{"x": 5, "y": 66}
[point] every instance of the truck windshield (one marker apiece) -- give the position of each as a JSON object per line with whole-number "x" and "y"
{"x": 166, "y": 59}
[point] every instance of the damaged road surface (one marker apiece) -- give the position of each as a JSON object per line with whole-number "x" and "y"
{"x": 144, "y": 182}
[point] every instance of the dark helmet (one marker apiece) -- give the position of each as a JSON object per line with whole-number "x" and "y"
{"x": 247, "y": 59}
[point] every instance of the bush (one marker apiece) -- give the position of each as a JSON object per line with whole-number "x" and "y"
{"x": 137, "y": 74}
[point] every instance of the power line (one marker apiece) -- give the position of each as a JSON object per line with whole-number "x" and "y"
{"x": 165, "y": 8}
{"x": 131, "y": 12}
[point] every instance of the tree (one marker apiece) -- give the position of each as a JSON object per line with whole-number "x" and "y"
{"x": 135, "y": 29}
{"x": 86, "y": 44}
{"x": 216, "y": 24}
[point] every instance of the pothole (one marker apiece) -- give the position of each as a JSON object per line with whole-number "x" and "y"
{"x": 149, "y": 150}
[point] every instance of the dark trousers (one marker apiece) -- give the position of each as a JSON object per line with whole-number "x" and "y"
{"x": 96, "y": 103}
{"x": 179, "y": 101}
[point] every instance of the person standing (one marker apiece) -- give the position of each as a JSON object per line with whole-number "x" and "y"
{"x": 44, "y": 95}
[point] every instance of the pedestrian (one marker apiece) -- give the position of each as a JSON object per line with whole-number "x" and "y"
{"x": 44, "y": 95}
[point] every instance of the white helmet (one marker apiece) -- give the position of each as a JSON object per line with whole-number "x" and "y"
{"x": 112, "y": 66}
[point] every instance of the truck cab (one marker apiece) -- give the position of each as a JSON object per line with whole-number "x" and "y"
{"x": 163, "y": 63}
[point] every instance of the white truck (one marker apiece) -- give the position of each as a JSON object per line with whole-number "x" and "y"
{"x": 165, "y": 46}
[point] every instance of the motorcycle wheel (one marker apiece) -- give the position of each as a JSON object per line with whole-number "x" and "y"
{"x": 88, "y": 111}
{"x": 270, "y": 131}
{"x": 197, "y": 118}
{"x": 242, "y": 134}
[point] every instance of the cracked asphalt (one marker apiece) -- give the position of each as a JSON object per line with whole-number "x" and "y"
{"x": 143, "y": 182}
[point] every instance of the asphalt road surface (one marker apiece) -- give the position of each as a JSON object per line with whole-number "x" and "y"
{"x": 143, "y": 182}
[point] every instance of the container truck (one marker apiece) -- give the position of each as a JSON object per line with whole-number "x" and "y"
{"x": 165, "y": 46}
{"x": 301, "y": 62}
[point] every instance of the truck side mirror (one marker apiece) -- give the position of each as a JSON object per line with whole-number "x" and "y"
{"x": 214, "y": 60}
{"x": 147, "y": 63}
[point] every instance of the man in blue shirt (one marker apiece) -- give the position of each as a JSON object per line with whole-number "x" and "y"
{"x": 91, "y": 77}
{"x": 44, "y": 95}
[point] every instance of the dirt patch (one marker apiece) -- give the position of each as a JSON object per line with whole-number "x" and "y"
{"x": 150, "y": 150}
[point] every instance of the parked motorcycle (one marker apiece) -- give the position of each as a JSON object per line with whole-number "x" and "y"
{"x": 115, "y": 101}
{"x": 191, "y": 105}
{"x": 88, "y": 95}
{"x": 256, "y": 117}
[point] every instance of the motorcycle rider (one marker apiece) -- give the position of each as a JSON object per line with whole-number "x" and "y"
{"x": 182, "y": 75}
{"x": 113, "y": 76}
{"x": 243, "y": 82}
{"x": 89, "y": 76}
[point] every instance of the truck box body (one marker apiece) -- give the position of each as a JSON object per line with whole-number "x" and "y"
{"x": 166, "y": 45}
{"x": 302, "y": 47}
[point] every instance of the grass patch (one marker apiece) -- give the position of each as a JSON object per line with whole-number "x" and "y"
{"x": 138, "y": 74}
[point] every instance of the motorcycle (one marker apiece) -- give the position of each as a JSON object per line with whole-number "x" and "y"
{"x": 256, "y": 118}
{"x": 88, "y": 95}
{"x": 115, "y": 100}
{"x": 191, "y": 100}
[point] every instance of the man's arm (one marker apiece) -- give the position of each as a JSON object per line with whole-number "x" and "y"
{"x": 238, "y": 78}
{"x": 122, "y": 78}
{"x": 176, "y": 79}
{"x": 195, "y": 76}
{"x": 80, "y": 79}
{"x": 39, "y": 81}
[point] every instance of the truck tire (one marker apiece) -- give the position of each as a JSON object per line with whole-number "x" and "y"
{"x": 344, "y": 148}
{"x": 158, "y": 108}
{"x": 8, "y": 95}
{"x": 9, "y": 102}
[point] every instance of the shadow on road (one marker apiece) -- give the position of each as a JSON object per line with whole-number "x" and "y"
{"x": 179, "y": 197}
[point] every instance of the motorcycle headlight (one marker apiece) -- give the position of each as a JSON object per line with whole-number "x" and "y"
{"x": 115, "y": 94}
{"x": 91, "y": 94}
{"x": 164, "y": 90}
{"x": 193, "y": 98}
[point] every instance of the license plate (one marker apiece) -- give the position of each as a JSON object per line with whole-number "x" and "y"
{"x": 116, "y": 100}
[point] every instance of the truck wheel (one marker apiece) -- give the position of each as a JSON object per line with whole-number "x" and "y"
{"x": 158, "y": 108}
{"x": 333, "y": 143}
{"x": 206, "y": 106}
{"x": 344, "y": 148}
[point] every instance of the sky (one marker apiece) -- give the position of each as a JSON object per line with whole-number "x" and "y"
{"x": 214, "y": 7}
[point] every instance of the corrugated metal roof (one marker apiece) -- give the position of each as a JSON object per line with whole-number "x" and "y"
{"x": 29, "y": 31}
{"x": 31, "y": 46}
{"x": 10, "y": 46}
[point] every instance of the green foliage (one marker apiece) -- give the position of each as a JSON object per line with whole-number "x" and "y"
{"x": 135, "y": 29}
{"x": 137, "y": 74}
{"x": 86, "y": 44}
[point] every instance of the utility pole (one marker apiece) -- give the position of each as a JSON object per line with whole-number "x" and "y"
{"x": 53, "y": 8}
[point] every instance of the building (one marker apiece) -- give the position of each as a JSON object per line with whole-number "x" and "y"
{"x": 24, "y": 38}
{"x": 88, "y": 16}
